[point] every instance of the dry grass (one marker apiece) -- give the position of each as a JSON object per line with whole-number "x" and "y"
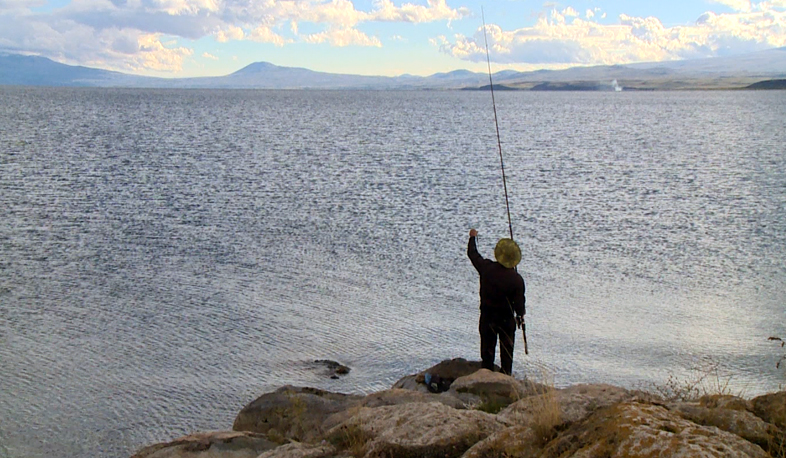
{"x": 352, "y": 439}
{"x": 542, "y": 411}
{"x": 547, "y": 414}
{"x": 777, "y": 446}
{"x": 704, "y": 378}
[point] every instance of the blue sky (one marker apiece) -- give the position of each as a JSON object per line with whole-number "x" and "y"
{"x": 180, "y": 38}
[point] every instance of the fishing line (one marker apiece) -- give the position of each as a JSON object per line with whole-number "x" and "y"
{"x": 496, "y": 123}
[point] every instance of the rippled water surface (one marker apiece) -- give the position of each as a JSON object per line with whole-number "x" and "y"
{"x": 167, "y": 256}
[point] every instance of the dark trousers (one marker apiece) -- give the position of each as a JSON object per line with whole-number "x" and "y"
{"x": 493, "y": 327}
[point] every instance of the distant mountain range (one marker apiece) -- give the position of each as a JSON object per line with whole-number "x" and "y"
{"x": 711, "y": 73}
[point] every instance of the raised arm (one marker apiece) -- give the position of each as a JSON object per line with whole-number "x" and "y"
{"x": 472, "y": 250}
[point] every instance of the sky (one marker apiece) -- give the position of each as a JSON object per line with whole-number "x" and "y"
{"x": 186, "y": 38}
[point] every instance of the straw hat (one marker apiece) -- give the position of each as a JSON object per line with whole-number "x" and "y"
{"x": 507, "y": 253}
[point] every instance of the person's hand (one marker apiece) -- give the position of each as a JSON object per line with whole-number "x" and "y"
{"x": 519, "y": 321}
{"x": 473, "y": 233}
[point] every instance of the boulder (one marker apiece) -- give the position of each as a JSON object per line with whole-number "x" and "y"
{"x": 771, "y": 408}
{"x": 564, "y": 406}
{"x": 413, "y": 430}
{"x": 645, "y": 430}
{"x": 492, "y": 391}
{"x": 514, "y": 441}
{"x": 292, "y": 413}
{"x": 411, "y": 383}
{"x": 330, "y": 369}
{"x": 447, "y": 371}
{"x": 739, "y": 422}
{"x": 725, "y": 401}
{"x": 392, "y": 397}
{"x": 219, "y": 444}
{"x": 300, "y": 450}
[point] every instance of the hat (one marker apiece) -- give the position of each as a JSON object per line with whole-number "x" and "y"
{"x": 507, "y": 253}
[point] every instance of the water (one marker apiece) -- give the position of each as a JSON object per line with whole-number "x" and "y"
{"x": 167, "y": 256}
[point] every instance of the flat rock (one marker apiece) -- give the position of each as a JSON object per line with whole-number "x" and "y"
{"x": 217, "y": 444}
{"x": 292, "y": 413}
{"x": 300, "y": 450}
{"x": 413, "y": 430}
{"x": 392, "y": 397}
{"x": 739, "y": 422}
{"x": 643, "y": 431}
{"x": 567, "y": 405}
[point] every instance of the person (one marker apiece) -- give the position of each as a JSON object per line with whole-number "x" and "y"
{"x": 502, "y": 300}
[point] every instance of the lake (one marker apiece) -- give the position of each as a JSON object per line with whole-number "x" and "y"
{"x": 169, "y": 255}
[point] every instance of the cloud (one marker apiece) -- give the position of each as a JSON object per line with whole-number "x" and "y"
{"x": 207, "y": 55}
{"x": 264, "y": 34}
{"x": 562, "y": 38}
{"x": 107, "y": 33}
{"x": 437, "y": 10}
{"x": 343, "y": 37}
{"x": 736, "y": 5}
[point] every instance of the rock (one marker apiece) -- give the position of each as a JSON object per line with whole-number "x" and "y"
{"x": 410, "y": 382}
{"x": 292, "y": 413}
{"x": 300, "y": 450}
{"x": 392, "y": 397}
{"x": 725, "y": 401}
{"x": 492, "y": 390}
{"x": 739, "y": 422}
{"x": 515, "y": 441}
{"x": 330, "y": 368}
{"x": 771, "y": 408}
{"x": 447, "y": 371}
{"x": 646, "y": 430}
{"x": 413, "y": 430}
{"x": 220, "y": 444}
{"x": 569, "y": 405}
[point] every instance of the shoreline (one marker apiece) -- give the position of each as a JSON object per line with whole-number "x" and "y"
{"x": 457, "y": 410}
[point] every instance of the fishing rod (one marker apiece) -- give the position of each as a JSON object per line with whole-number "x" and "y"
{"x": 496, "y": 123}
{"x": 521, "y": 323}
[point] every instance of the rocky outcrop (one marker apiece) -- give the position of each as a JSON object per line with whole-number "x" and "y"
{"x": 224, "y": 444}
{"x": 646, "y": 430}
{"x": 485, "y": 414}
{"x": 292, "y": 413}
{"x": 428, "y": 430}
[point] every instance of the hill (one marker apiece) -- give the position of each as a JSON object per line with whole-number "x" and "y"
{"x": 728, "y": 72}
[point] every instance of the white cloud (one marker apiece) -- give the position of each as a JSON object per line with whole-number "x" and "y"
{"x": 153, "y": 55}
{"x": 557, "y": 40}
{"x": 207, "y": 55}
{"x": 736, "y": 5}
{"x": 437, "y": 10}
{"x": 264, "y": 34}
{"x": 343, "y": 37}
{"x": 570, "y": 12}
{"x": 106, "y": 33}
{"x": 229, "y": 33}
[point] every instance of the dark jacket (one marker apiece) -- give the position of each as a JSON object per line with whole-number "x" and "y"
{"x": 501, "y": 289}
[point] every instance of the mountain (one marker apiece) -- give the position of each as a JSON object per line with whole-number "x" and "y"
{"x": 720, "y": 72}
{"x": 16, "y": 69}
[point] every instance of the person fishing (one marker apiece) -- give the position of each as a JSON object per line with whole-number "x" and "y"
{"x": 502, "y": 301}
